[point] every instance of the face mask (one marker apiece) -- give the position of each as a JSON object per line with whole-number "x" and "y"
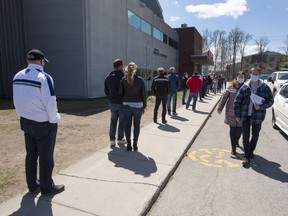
{"x": 240, "y": 80}
{"x": 254, "y": 78}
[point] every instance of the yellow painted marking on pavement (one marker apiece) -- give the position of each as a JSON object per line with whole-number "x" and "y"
{"x": 215, "y": 158}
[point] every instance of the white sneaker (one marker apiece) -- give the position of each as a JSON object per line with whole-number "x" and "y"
{"x": 112, "y": 143}
{"x": 122, "y": 141}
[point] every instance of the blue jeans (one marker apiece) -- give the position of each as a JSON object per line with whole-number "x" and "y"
{"x": 194, "y": 96}
{"x": 160, "y": 99}
{"x": 184, "y": 95}
{"x": 116, "y": 114}
{"x": 172, "y": 96}
{"x": 40, "y": 138}
{"x": 134, "y": 115}
{"x": 250, "y": 145}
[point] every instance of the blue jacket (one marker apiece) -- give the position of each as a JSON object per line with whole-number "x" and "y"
{"x": 242, "y": 101}
{"x": 174, "y": 83}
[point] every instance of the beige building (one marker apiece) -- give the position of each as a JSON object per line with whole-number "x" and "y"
{"x": 267, "y": 62}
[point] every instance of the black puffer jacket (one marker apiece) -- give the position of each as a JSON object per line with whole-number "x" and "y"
{"x": 135, "y": 92}
{"x": 112, "y": 84}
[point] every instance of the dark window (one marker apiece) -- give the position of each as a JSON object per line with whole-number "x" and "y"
{"x": 171, "y": 42}
{"x": 165, "y": 38}
{"x": 175, "y": 45}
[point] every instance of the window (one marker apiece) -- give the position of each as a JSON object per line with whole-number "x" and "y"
{"x": 284, "y": 91}
{"x": 165, "y": 38}
{"x": 157, "y": 34}
{"x": 171, "y": 42}
{"x": 145, "y": 27}
{"x": 175, "y": 45}
{"x": 133, "y": 20}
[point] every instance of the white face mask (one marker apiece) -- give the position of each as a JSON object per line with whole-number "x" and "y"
{"x": 254, "y": 78}
{"x": 240, "y": 80}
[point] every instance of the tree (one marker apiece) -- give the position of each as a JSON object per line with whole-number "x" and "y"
{"x": 206, "y": 40}
{"x": 261, "y": 43}
{"x": 235, "y": 35}
{"x": 285, "y": 47}
{"x": 244, "y": 41}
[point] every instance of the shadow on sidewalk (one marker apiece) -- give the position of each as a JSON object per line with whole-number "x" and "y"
{"x": 133, "y": 161}
{"x": 169, "y": 128}
{"x": 270, "y": 169}
{"x": 30, "y": 206}
{"x": 179, "y": 118}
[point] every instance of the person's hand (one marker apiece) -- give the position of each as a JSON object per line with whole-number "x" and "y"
{"x": 256, "y": 106}
{"x": 238, "y": 120}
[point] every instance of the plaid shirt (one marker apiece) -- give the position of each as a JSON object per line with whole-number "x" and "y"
{"x": 242, "y": 101}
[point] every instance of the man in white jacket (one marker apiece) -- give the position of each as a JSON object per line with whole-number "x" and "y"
{"x": 35, "y": 103}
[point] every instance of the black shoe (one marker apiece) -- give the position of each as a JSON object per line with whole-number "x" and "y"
{"x": 246, "y": 163}
{"x": 169, "y": 113}
{"x": 129, "y": 147}
{"x": 34, "y": 190}
{"x": 55, "y": 190}
{"x": 135, "y": 147}
{"x": 164, "y": 121}
{"x": 183, "y": 103}
{"x": 175, "y": 113}
{"x": 233, "y": 153}
{"x": 155, "y": 121}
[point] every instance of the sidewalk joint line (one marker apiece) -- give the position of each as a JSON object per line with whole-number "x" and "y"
{"x": 103, "y": 180}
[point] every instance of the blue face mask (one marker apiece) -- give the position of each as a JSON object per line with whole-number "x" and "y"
{"x": 240, "y": 80}
{"x": 254, "y": 78}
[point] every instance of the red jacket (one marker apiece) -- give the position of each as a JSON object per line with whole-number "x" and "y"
{"x": 194, "y": 83}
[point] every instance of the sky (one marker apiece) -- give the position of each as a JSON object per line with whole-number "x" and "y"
{"x": 257, "y": 17}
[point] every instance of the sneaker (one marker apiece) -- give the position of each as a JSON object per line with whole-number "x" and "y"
{"x": 175, "y": 113}
{"x": 169, "y": 113}
{"x": 55, "y": 190}
{"x": 34, "y": 191}
{"x": 246, "y": 163}
{"x": 112, "y": 143}
{"x": 155, "y": 120}
{"x": 122, "y": 141}
{"x": 233, "y": 153}
{"x": 164, "y": 121}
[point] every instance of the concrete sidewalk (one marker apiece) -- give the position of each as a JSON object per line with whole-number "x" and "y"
{"x": 117, "y": 182}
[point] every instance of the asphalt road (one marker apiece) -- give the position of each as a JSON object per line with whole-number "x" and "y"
{"x": 210, "y": 182}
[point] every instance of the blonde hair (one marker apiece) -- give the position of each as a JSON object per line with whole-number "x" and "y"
{"x": 172, "y": 69}
{"x": 160, "y": 70}
{"x": 130, "y": 69}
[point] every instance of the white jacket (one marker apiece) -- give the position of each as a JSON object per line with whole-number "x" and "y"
{"x": 33, "y": 95}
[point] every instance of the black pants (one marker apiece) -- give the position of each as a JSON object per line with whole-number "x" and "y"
{"x": 250, "y": 144}
{"x": 160, "y": 99}
{"x": 235, "y": 134}
{"x": 40, "y": 138}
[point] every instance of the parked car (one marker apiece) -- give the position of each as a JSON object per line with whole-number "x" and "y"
{"x": 280, "y": 109}
{"x": 276, "y": 80}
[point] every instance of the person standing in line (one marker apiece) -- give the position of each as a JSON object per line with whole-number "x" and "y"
{"x": 35, "y": 102}
{"x": 251, "y": 113}
{"x": 194, "y": 83}
{"x": 209, "y": 84}
{"x": 228, "y": 99}
{"x": 174, "y": 86}
{"x": 184, "y": 87}
{"x": 133, "y": 90}
{"x": 160, "y": 86}
{"x": 214, "y": 85}
{"x": 111, "y": 89}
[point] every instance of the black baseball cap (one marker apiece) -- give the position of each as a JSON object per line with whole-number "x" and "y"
{"x": 36, "y": 54}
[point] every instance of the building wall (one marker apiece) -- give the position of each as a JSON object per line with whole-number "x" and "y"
{"x": 56, "y": 27}
{"x": 81, "y": 38}
{"x": 12, "y": 44}
{"x": 190, "y": 43}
